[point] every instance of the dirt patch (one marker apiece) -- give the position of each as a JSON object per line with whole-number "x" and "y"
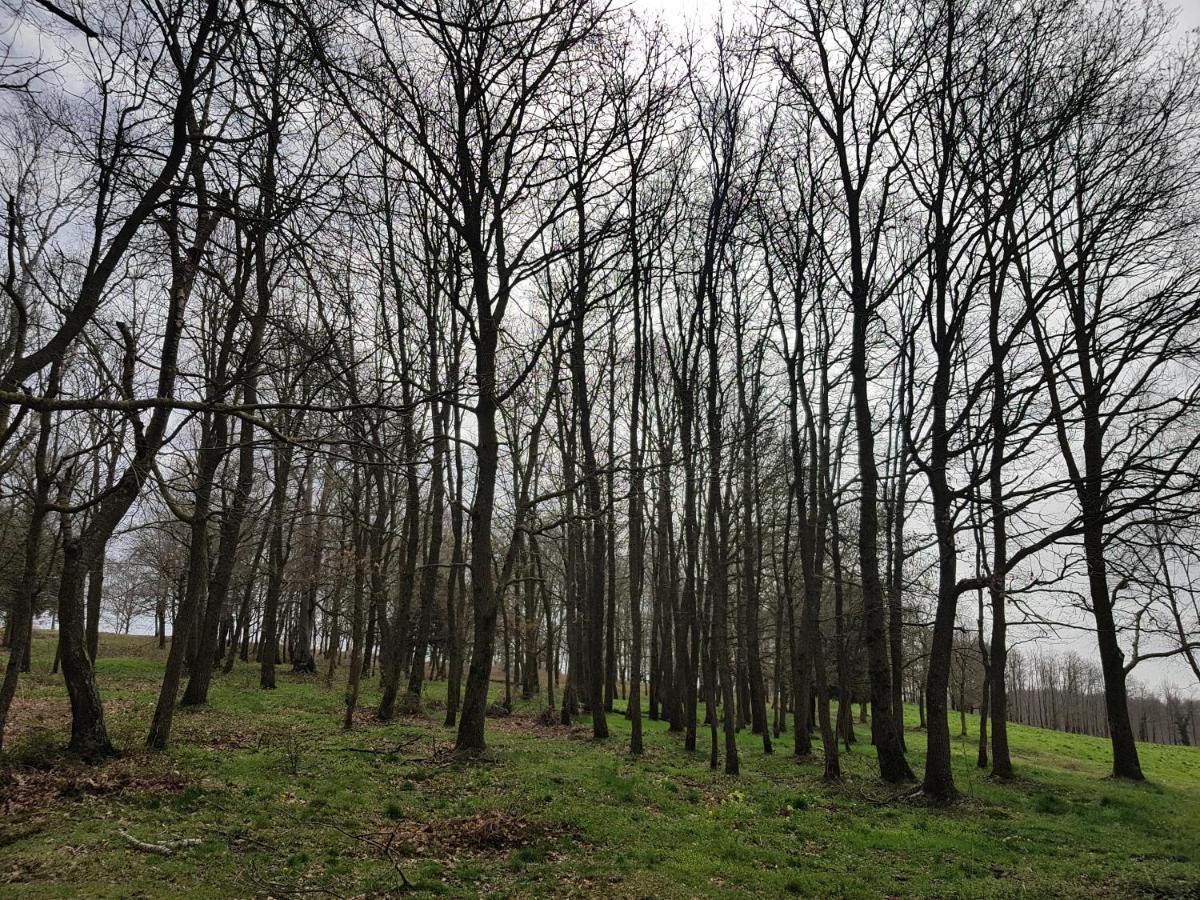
{"x": 486, "y": 833}
{"x": 29, "y": 715}
{"x": 214, "y": 733}
{"x": 26, "y": 789}
{"x": 366, "y": 717}
{"x": 524, "y": 725}
{"x": 22, "y": 872}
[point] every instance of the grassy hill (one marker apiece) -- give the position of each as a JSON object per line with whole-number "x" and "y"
{"x": 285, "y": 804}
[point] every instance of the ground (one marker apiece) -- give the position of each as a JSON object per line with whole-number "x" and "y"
{"x": 286, "y": 804}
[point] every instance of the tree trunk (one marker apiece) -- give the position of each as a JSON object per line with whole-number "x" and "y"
{"x": 433, "y": 552}
{"x": 269, "y": 638}
{"x": 20, "y": 618}
{"x": 892, "y": 765}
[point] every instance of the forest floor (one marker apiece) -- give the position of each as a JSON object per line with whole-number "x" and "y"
{"x": 283, "y": 803}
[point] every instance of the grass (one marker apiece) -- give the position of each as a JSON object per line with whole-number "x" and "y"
{"x": 286, "y": 804}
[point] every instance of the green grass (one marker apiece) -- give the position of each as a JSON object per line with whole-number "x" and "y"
{"x": 286, "y": 804}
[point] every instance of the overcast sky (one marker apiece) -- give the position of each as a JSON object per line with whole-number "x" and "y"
{"x": 1189, "y": 13}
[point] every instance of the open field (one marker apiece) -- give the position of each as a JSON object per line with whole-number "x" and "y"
{"x": 285, "y": 804}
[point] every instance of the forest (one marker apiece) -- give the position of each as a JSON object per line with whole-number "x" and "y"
{"x": 801, "y": 398}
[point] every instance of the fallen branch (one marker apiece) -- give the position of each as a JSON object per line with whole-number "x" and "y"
{"x": 904, "y": 794}
{"x": 385, "y": 849}
{"x": 376, "y": 751}
{"x": 166, "y": 848}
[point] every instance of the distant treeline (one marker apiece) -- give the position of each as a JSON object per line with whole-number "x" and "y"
{"x": 1066, "y": 693}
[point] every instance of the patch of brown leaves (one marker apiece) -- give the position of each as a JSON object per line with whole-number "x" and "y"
{"x": 364, "y": 717}
{"x": 24, "y": 790}
{"x": 218, "y": 734}
{"x": 485, "y": 833}
{"x": 23, "y": 871}
{"x": 32, "y": 714}
{"x": 523, "y": 725}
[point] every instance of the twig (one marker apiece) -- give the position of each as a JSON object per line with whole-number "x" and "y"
{"x": 395, "y": 751}
{"x": 386, "y": 849}
{"x": 906, "y": 794}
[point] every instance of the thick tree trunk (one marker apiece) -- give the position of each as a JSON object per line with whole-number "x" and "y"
{"x": 470, "y": 737}
{"x": 95, "y": 597}
{"x": 212, "y": 448}
{"x": 1112, "y": 660}
{"x": 89, "y": 736}
{"x": 981, "y": 760}
{"x": 939, "y": 778}
{"x": 594, "y": 596}
{"x": 892, "y": 764}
